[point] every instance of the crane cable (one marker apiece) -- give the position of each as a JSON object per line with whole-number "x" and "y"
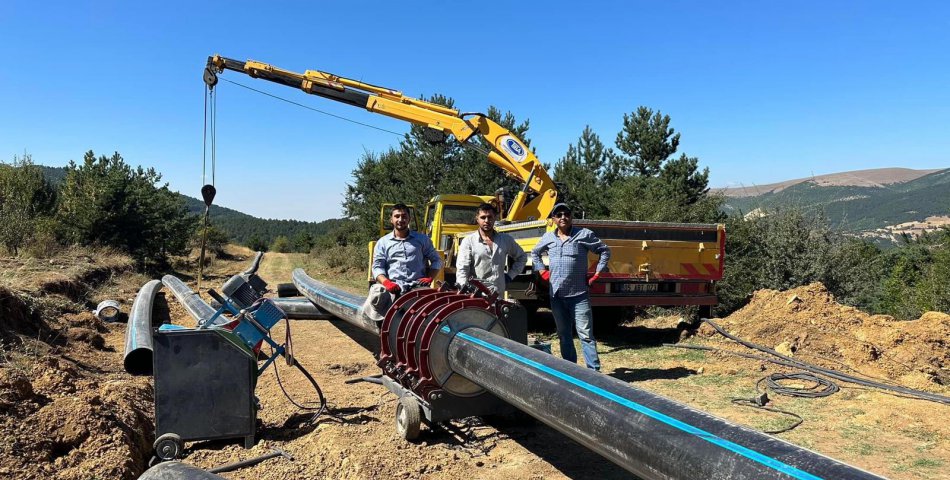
{"x": 207, "y": 190}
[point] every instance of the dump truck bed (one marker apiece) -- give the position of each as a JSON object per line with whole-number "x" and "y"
{"x": 651, "y": 263}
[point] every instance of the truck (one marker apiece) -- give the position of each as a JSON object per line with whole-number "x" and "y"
{"x": 652, "y": 263}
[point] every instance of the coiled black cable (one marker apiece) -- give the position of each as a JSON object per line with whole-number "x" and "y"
{"x": 820, "y": 387}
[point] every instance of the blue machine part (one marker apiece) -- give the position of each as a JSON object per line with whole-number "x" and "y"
{"x": 256, "y": 324}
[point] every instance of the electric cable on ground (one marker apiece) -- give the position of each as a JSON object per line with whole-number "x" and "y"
{"x": 830, "y": 372}
{"x": 790, "y": 362}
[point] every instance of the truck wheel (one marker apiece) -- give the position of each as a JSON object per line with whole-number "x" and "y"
{"x": 168, "y": 446}
{"x": 408, "y": 417}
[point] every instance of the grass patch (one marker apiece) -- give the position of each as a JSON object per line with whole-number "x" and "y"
{"x": 863, "y": 449}
{"x": 685, "y": 355}
{"x": 854, "y": 431}
{"x": 926, "y": 463}
{"x": 919, "y": 464}
{"x": 713, "y": 380}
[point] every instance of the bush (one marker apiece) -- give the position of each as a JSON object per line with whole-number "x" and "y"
{"x": 281, "y": 245}
{"x": 349, "y": 257}
{"x": 26, "y": 201}
{"x": 789, "y": 248}
{"x": 104, "y": 201}
{"x": 44, "y": 243}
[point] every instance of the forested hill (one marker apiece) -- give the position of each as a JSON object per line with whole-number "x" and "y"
{"x": 859, "y": 208}
{"x": 241, "y": 227}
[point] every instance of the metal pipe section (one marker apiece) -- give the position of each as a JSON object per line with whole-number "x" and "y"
{"x": 138, "y": 332}
{"x": 649, "y": 435}
{"x": 193, "y": 303}
{"x": 341, "y": 304}
{"x": 177, "y": 471}
{"x": 301, "y": 308}
{"x": 255, "y": 264}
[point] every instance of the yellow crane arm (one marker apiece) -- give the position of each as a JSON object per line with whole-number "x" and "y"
{"x": 507, "y": 151}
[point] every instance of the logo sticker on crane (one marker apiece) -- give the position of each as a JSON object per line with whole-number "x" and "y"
{"x": 513, "y": 147}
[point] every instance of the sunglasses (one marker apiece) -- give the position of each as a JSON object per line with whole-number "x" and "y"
{"x": 562, "y": 214}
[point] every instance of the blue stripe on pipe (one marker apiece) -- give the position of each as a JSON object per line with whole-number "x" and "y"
{"x": 709, "y": 437}
{"x": 334, "y": 299}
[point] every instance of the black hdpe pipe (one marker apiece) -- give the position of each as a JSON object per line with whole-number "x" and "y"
{"x": 193, "y": 303}
{"x": 177, "y": 471}
{"x": 339, "y": 303}
{"x": 255, "y": 264}
{"x": 138, "y": 333}
{"x": 301, "y": 309}
{"x": 649, "y": 435}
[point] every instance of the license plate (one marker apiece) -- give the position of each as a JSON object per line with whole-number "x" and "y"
{"x": 635, "y": 287}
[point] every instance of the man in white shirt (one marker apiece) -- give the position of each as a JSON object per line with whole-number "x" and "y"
{"x": 484, "y": 254}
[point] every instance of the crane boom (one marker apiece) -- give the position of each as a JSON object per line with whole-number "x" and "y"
{"x": 507, "y": 151}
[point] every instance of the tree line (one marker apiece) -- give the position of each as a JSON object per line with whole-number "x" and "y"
{"x": 99, "y": 201}
{"x": 643, "y": 176}
{"x": 104, "y": 201}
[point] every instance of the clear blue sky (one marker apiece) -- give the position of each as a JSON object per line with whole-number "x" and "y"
{"x": 761, "y": 91}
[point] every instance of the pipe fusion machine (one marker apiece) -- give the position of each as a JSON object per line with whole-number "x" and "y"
{"x": 205, "y": 376}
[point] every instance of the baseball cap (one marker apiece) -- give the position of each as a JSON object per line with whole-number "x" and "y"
{"x": 561, "y": 207}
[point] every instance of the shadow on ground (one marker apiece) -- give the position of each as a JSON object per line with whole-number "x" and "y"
{"x": 644, "y": 374}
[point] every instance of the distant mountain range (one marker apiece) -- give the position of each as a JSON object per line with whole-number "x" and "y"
{"x": 240, "y": 226}
{"x": 882, "y": 200}
{"x": 877, "y": 177}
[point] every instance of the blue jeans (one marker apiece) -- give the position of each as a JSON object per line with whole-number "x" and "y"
{"x": 571, "y": 312}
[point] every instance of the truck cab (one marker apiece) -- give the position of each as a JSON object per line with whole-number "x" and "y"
{"x": 446, "y": 218}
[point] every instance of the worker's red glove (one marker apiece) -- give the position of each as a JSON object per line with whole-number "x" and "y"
{"x": 546, "y": 275}
{"x": 593, "y": 278}
{"x": 391, "y": 286}
{"x": 424, "y": 281}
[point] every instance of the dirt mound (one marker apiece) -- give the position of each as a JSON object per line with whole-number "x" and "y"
{"x": 66, "y": 409}
{"x": 59, "y": 423}
{"x": 18, "y": 316}
{"x": 807, "y": 322}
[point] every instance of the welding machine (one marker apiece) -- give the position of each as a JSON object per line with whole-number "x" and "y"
{"x": 205, "y": 376}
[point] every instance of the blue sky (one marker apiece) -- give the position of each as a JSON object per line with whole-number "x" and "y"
{"x": 760, "y": 91}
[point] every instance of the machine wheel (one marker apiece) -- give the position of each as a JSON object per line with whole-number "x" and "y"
{"x": 408, "y": 417}
{"x": 168, "y": 446}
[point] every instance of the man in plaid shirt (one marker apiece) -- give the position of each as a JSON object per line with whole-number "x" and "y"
{"x": 567, "y": 248}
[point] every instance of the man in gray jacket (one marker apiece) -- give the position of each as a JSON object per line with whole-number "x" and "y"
{"x": 484, "y": 254}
